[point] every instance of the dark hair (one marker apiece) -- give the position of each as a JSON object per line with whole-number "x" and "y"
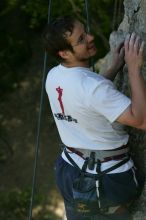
{"x": 54, "y": 36}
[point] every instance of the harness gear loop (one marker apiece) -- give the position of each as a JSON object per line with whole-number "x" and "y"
{"x": 98, "y": 183}
{"x": 98, "y": 167}
{"x": 91, "y": 161}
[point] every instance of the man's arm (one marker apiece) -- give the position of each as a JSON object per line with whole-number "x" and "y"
{"x": 135, "y": 114}
{"x": 117, "y": 63}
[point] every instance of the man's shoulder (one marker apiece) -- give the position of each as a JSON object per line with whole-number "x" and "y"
{"x": 53, "y": 69}
{"x": 95, "y": 79}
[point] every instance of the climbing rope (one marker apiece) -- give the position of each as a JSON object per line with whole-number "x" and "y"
{"x": 87, "y": 16}
{"x": 86, "y": 3}
{"x": 114, "y": 15}
{"x": 117, "y": 14}
{"x": 39, "y": 126}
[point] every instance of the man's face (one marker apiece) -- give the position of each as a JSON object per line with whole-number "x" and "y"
{"x": 82, "y": 43}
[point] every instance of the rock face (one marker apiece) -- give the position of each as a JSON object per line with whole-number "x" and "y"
{"x": 134, "y": 21}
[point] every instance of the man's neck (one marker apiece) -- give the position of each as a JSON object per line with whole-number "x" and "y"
{"x": 76, "y": 64}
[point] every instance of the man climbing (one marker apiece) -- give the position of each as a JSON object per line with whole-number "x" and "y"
{"x": 95, "y": 173}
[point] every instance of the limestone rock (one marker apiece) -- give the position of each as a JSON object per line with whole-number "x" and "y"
{"x": 134, "y": 21}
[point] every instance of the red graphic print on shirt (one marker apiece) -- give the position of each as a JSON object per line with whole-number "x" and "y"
{"x": 60, "y": 92}
{"x": 62, "y": 116}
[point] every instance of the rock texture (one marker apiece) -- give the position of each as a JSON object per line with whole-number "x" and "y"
{"x": 134, "y": 21}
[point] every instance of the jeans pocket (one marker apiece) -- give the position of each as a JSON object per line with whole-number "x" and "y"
{"x": 85, "y": 196}
{"x": 120, "y": 187}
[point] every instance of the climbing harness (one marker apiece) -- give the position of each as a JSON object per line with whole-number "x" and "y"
{"x": 87, "y": 186}
{"x": 102, "y": 155}
{"x": 39, "y": 126}
{"x": 98, "y": 162}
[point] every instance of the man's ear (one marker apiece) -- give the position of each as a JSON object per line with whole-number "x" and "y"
{"x": 64, "y": 54}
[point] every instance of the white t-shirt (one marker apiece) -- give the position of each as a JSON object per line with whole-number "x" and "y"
{"x": 85, "y": 107}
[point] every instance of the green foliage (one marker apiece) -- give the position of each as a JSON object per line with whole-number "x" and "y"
{"x": 20, "y": 18}
{"x": 13, "y": 54}
{"x": 14, "y": 204}
{"x": 36, "y": 10}
{"x": 6, "y": 151}
{"x": 14, "y": 46}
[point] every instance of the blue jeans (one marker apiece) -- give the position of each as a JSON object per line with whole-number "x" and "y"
{"x": 116, "y": 189}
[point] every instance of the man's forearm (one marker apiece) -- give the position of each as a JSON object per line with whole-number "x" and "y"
{"x": 135, "y": 114}
{"x": 110, "y": 73}
{"x": 117, "y": 63}
{"x": 138, "y": 96}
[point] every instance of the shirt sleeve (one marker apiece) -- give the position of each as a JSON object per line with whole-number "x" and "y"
{"x": 106, "y": 100}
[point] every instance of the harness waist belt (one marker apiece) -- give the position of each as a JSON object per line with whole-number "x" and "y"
{"x": 102, "y": 155}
